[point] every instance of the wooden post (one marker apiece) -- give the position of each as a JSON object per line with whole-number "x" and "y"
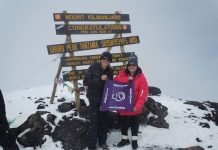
{"x": 122, "y": 49}
{"x": 115, "y": 35}
{"x": 75, "y": 83}
{"x": 55, "y": 84}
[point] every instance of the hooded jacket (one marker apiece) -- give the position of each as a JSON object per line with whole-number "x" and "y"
{"x": 140, "y": 90}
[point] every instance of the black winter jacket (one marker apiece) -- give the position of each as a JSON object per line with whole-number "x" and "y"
{"x": 93, "y": 80}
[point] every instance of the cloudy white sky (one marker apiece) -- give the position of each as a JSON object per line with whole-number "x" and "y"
{"x": 178, "y": 49}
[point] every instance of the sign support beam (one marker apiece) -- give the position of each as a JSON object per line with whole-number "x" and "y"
{"x": 75, "y": 82}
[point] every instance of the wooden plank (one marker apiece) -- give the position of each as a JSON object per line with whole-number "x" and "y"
{"x": 62, "y": 29}
{"x": 90, "y": 59}
{"x": 88, "y": 45}
{"x": 80, "y": 74}
{"x": 90, "y": 17}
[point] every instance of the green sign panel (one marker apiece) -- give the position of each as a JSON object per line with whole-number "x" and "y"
{"x": 92, "y": 29}
{"x": 90, "y": 59}
{"x": 90, "y": 17}
{"x": 87, "y": 45}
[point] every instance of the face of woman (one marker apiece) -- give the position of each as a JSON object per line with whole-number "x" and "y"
{"x": 104, "y": 63}
{"x": 132, "y": 68}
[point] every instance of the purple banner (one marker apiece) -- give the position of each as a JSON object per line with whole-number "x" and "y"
{"x": 117, "y": 96}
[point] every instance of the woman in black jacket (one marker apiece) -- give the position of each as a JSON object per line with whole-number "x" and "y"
{"x": 94, "y": 80}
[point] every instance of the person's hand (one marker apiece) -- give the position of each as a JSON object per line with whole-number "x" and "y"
{"x": 134, "y": 109}
{"x": 130, "y": 78}
{"x": 104, "y": 77}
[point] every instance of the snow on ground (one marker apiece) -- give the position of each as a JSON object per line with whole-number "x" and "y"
{"x": 182, "y": 132}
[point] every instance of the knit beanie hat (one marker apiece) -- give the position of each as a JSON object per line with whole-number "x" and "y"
{"x": 106, "y": 55}
{"x": 133, "y": 59}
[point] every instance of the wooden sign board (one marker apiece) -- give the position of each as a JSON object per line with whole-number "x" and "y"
{"x": 87, "y": 45}
{"x": 62, "y": 29}
{"x": 80, "y": 74}
{"x": 90, "y": 59}
{"x": 90, "y": 17}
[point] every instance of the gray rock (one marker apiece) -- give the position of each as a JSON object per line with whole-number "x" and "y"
{"x": 38, "y": 128}
{"x": 72, "y": 133}
{"x": 158, "y": 122}
{"x": 41, "y": 106}
{"x": 51, "y": 118}
{"x": 154, "y": 91}
{"x": 197, "y": 104}
{"x": 65, "y": 107}
{"x": 61, "y": 100}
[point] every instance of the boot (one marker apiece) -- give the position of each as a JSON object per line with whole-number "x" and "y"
{"x": 124, "y": 141}
{"x": 134, "y": 145}
{"x": 104, "y": 147}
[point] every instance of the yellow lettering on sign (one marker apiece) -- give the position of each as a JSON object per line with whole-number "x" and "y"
{"x": 88, "y": 62}
{"x": 94, "y": 57}
{"x": 74, "y": 17}
{"x": 56, "y": 49}
{"x": 114, "y": 42}
{"x": 89, "y": 45}
{"x": 116, "y": 27}
{"x": 91, "y": 17}
{"x": 94, "y": 27}
{"x": 71, "y": 47}
{"x": 78, "y": 27}
{"x": 72, "y": 63}
{"x": 117, "y": 55}
{"x": 104, "y": 17}
{"x": 133, "y": 40}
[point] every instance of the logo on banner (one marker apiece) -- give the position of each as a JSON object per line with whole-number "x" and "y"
{"x": 120, "y": 96}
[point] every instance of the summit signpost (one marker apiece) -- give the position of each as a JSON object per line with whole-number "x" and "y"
{"x": 69, "y": 47}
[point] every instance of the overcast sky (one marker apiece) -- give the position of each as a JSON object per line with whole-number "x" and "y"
{"x": 178, "y": 50}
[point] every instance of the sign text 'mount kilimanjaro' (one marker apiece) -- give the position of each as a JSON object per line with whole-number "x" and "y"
{"x": 89, "y": 59}
{"x": 90, "y": 17}
{"x": 80, "y": 74}
{"x": 92, "y": 29}
{"x": 87, "y": 45}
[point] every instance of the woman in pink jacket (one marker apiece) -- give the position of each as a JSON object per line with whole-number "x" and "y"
{"x": 130, "y": 118}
